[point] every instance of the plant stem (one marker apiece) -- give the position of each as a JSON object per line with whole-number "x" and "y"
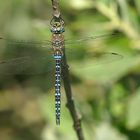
{"x": 70, "y": 102}
{"x": 56, "y": 10}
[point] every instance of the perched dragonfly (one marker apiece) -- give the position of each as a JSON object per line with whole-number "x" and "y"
{"x": 53, "y": 50}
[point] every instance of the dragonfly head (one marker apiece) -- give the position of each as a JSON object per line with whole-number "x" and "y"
{"x": 57, "y": 28}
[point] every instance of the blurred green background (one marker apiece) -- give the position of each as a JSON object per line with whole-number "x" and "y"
{"x": 107, "y": 96}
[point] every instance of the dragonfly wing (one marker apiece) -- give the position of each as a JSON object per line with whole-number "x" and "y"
{"x": 26, "y": 60}
{"x": 26, "y": 66}
{"x": 85, "y": 59}
{"x": 92, "y": 54}
{"x": 91, "y": 38}
{"x": 26, "y": 42}
{"x": 37, "y": 72}
{"x": 26, "y": 57}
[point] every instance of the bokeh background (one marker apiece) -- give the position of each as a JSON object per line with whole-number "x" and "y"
{"x": 107, "y": 95}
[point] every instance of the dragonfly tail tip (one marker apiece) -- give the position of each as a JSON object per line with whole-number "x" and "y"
{"x": 57, "y": 121}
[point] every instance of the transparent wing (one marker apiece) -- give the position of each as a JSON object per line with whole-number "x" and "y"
{"x": 33, "y": 59}
{"x": 46, "y": 43}
{"x": 32, "y": 63}
{"x": 26, "y": 42}
{"x": 26, "y": 66}
{"x": 26, "y": 60}
{"x": 104, "y": 58}
{"x": 84, "y": 58}
{"x": 29, "y": 61}
{"x": 40, "y": 65}
{"x": 92, "y": 38}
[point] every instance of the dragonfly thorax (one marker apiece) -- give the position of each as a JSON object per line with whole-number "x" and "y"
{"x": 57, "y": 43}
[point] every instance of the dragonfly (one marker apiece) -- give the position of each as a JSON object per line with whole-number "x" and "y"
{"x": 52, "y": 52}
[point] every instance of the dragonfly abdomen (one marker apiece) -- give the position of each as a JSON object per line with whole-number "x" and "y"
{"x": 58, "y": 58}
